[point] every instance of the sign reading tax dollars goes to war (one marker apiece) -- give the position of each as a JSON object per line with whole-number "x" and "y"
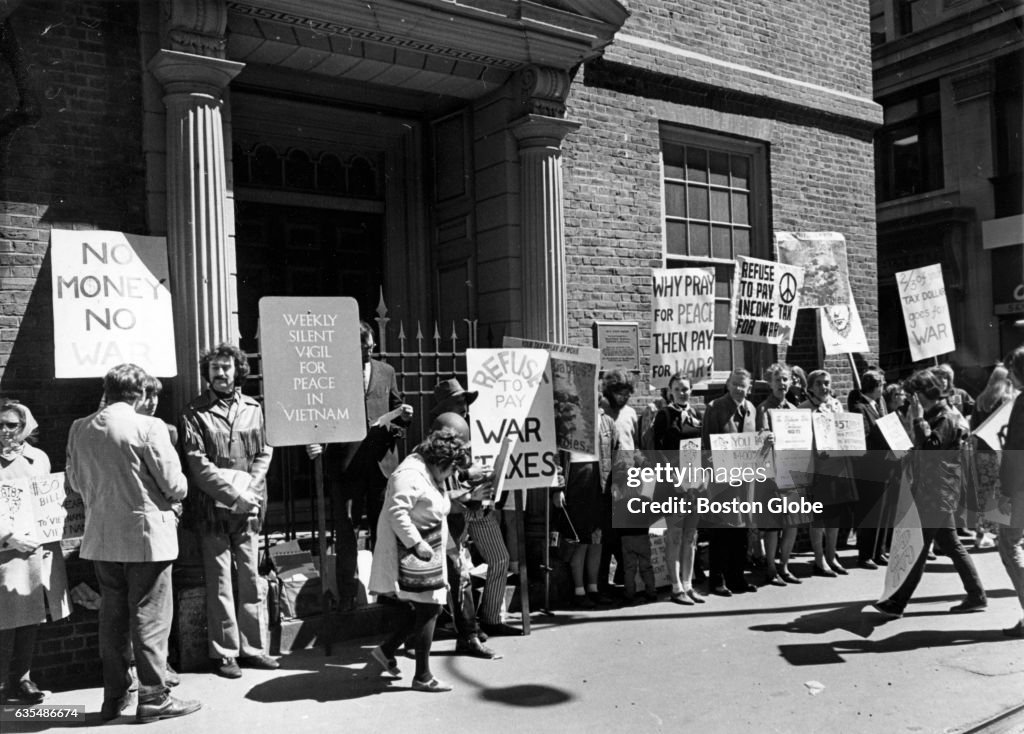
{"x": 111, "y": 303}
{"x": 682, "y": 324}
{"x": 312, "y": 370}
{"x": 515, "y": 399}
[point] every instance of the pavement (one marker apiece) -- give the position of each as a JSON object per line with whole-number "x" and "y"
{"x": 807, "y": 658}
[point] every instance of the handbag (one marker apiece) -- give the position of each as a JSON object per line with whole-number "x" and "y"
{"x": 417, "y": 575}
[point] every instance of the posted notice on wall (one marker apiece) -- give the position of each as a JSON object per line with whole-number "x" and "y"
{"x": 574, "y": 386}
{"x": 39, "y": 508}
{"x": 312, "y": 370}
{"x": 841, "y": 329}
{"x": 682, "y": 324}
{"x": 765, "y": 299}
{"x": 111, "y": 303}
{"x": 925, "y": 311}
{"x": 515, "y": 399}
{"x": 822, "y": 255}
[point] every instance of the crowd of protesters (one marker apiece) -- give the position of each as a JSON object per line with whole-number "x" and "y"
{"x": 138, "y": 477}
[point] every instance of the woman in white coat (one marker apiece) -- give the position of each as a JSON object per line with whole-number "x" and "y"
{"x": 32, "y": 578}
{"x": 409, "y": 559}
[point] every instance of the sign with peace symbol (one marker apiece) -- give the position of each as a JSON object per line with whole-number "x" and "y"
{"x": 788, "y": 288}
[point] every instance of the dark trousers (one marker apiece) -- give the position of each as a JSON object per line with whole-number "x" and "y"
{"x": 461, "y": 583}
{"x": 16, "y": 647}
{"x": 135, "y": 614}
{"x": 728, "y": 550}
{"x": 869, "y": 518}
{"x": 353, "y": 494}
{"x": 947, "y": 542}
{"x": 413, "y": 620}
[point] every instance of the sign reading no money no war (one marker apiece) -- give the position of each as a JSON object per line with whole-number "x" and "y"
{"x": 312, "y": 370}
{"x": 682, "y": 324}
{"x": 111, "y": 303}
{"x": 515, "y": 399}
{"x": 765, "y": 300}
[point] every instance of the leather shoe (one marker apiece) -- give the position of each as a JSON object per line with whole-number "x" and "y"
{"x": 881, "y": 560}
{"x": 789, "y": 578}
{"x": 887, "y": 608}
{"x": 502, "y": 630}
{"x": 169, "y": 708}
{"x": 29, "y": 692}
{"x": 826, "y": 572}
{"x": 743, "y": 588}
{"x": 1016, "y": 630}
{"x": 969, "y": 605}
{"x": 228, "y": 668}
{"x": 838, "y": 568}
{"x": 867, "y": 564}
{"x": 776, "y": 580}
{"x": 721, "y": 590}
{"x": 171, "y": 678}
{"x": 697, "y": 598}
{"x": 113, "y": 707}
{"x": 681, "y": 598}
{"x": 263, "y": 662}
{"x": 476, "y": 649}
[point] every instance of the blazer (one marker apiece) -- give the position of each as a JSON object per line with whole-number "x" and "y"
{"x": 718, "y": 419}
{"x": 128, "y": 473}
{"x": 375, "y": 453}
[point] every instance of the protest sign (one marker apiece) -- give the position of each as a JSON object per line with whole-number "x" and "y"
{"x": 682, "y": 324}
{"x": 690, "y": 456}
{"x": 993, "y": 430}
{"x": 619, "y": 344}
{"x": 841, "y": 329}
{"x": 794, "y": 439}
{"x": 825, "y": 437}
{"x": 907, "y": 538}
{"x": 515, "y": 398}
{"x": 765, "y": 299}
{"x": 41, "y": 509}
{"x": 850, "y": 432}
{"x": 894, "y": 433}
{"x": 741, "y": 451}
{"x": 822, "y": 255}
{"x": 312, "y": 370}
{"x": 111, "y": 303}
{"x": 925, "y": 312}
{"x": 574, "y": 387}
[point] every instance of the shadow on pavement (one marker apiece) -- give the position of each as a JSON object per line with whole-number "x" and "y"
{"x": 834, "y": 652}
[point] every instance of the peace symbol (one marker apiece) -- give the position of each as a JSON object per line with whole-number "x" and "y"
{"x": 787, "y": 287}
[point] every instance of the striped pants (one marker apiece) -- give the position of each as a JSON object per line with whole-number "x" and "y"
{"x": 486, "y": 535}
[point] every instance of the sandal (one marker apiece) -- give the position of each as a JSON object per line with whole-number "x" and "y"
{"x": 431, "y": 686}
{"x": 389, "y": 665}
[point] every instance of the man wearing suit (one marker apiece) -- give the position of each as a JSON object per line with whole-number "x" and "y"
{"x": 731, "y": 413}
{"x": 125, "y": 468}
{"x": 872, "y": 470}
{"x": 357, "y": 472}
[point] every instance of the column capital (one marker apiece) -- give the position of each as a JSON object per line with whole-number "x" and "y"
{"x": 542, "y": 131}
{"x": 196, "y": 26}
{"x": 181, "y": 72}
{"x": 543, "y": 90}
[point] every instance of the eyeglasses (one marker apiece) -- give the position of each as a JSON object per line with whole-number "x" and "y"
{"x": 10, "y": 426}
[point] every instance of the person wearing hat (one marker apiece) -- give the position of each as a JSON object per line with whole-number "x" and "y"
{"x": 939, "y": 434}
{"x": 357, "y": 472}
{"x": 481, "y": 522}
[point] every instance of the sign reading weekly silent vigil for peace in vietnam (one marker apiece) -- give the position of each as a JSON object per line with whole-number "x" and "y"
{"x": 313, "y": 371}
{"x": 765, "y": 299}
{"x": 682, "y": 324}
{"x": 111, "y": 303}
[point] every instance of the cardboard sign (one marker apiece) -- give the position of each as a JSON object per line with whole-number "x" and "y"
{"x": 40, "y": 508}
{"x": 841, "y": 329}
{"x": 312, "y": 370}
{"x": 111, "y": 303}
{"x": 925, "y": 312}
{"x": 765, "y": 299}
{"x": 574, "y": 386}
{"x": 689, "y": 455}
{"x": 682, "y": 324}
{"x": 993, "y": 430}
{"x": 907, "y": 538}
{"x": 825, "y": 437}
{"x": 737, "y": 451}
{"x": 619, "y": 344}
{"x": 794, "y": 439}
{"x": 822, "y": 255}
{"x": 894, "y": 433}
{"x": 850, "y": 432}
{"x": 515, "y": 399}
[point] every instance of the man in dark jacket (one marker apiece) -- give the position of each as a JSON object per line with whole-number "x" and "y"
{"x": 939, "y": 434}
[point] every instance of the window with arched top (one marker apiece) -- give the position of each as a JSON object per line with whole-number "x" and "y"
{"x": 330, "y": 174}
{"x": 362, "y": 178}
{"x": 265, "y": 167}
{"x": 298, "y": 171}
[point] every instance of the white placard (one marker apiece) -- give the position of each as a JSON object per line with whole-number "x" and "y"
{"x": 794, "y": 440}
{"x": 841, "y": 329}
{"x": 894, "y": 433}
{"x": 682, "y": 324}
{"x": 925, "y": 312}
{"x": 765, "y": 299}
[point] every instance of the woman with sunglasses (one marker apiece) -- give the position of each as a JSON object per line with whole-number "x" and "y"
{"x": 33, "y": 584}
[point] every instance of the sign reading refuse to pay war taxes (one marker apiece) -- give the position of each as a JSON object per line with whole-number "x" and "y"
{"x": 574, "y": 386}
{"x": 312, "y": 370}
{"x": 765, "y": 299}
{"x": 822, "y": 255}
{"x": 515, "y": 398}
{"x": 111, "y": 303}
{"x": 682, "y": 324}
{"x": 925, "y": 311}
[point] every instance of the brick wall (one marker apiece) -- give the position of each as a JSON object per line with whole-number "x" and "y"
{"x": 79, "y": 167}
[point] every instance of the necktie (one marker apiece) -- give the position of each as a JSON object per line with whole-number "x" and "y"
{"x": 738, "y": 417}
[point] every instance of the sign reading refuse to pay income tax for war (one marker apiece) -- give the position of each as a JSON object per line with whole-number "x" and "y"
{"x": 682, "y": 324}
{"x": 925, "y": 311}
{"x": 765, "y": 299}
{"x": 515, "y": 398}
{"x": 312, "y": 370}
{"x": 111, "y": 303}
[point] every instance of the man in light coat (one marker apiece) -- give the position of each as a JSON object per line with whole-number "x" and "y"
{"x": 125, "y": 468}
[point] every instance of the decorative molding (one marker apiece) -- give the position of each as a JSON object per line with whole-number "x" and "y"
{"x": 387, "y": 39}
{"x": 539, "y": 131}
{"x": 976, "y": 82}
{"x": 544, "y": 90}
{"x": 195, "y": 26}
{"x": 181, "y": 72}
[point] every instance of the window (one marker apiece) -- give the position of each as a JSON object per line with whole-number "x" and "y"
{"x": 716, "y": 208}
{"x": 909, "y": 146}
{"x": 1009, "y": 121}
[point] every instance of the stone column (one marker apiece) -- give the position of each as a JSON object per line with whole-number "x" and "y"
{"x": 542, "y": 230}
{"x": 196, "y": 200}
